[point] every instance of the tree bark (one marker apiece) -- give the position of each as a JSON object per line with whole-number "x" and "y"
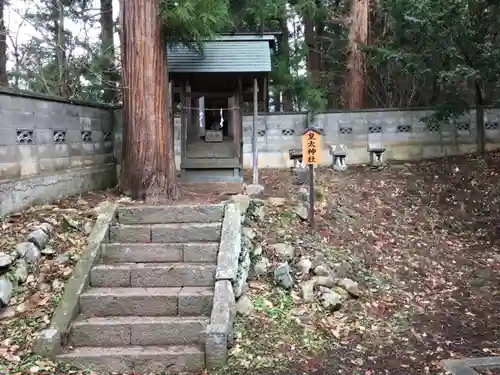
{"x": 284, "y": 51}
{"x": 64, "y": 89}
{"x": 313, "y": 57}
{"x": 148, "y": 164}
{"x": 481, "y": 143}
{"x": 108, "y": 52}
{"x": 4, "y": 81}
{"x": 358, "y": 35}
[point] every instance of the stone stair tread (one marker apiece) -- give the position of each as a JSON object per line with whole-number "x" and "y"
{"x": 139, "y": 265}
{"x": 128, "y": 301}
{"x": 147, "y": 291}
{"x": 189, "y": 252}
{"x": 117, "y": 320}
{"x": 119, "y": 331}
{"x": 130, "y": 350}
{"x": 144, "y": 359}
{"x": 184, "y": 213}
{"x": 165, "y": 233}
{"x": 152, "y": 274}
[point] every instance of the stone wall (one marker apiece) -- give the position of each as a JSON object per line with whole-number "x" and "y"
{"x": 402, "y": 132}
{"x": 51, "y": 148}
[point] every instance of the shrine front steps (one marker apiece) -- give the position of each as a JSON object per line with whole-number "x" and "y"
{"x": 150, "y": 296}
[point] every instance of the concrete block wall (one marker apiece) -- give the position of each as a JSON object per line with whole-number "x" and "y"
{"x": 46, "y": 140}
{"x": 401, "y": 132}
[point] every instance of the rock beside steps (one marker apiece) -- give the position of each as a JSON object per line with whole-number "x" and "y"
{"x": 150, "y": 296}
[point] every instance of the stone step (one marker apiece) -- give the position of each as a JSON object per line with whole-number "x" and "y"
{"x": 186, "y": 301}
{"x": 209, "y": 213}
{"x": 194, "y": 252}
{"x": 141, "y": 359}
{"x": 165, "y": 233}
{"x": 148, "y": 275}
{"x": 138, "y": 330}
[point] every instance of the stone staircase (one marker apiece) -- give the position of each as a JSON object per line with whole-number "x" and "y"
{"x": 149, "y": 299}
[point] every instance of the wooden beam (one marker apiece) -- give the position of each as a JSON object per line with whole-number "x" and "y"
{"x": 208, "y": 94}
{"x": 255, "y": 168}
{"x": 183, "y": 120}
{"x": 265, "y": 95}
{"x": 171, "y": 109}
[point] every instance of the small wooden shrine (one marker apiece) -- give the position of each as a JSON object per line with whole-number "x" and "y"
{"x": 208, "y": 91}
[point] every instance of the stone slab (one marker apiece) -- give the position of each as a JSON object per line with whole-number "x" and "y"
{"x": 189, "y": 232}
{"x": 173, "y": 274}
{"x": 122, "y": 331}
{"x": 46, "y": 343}
{"x": 143, "y": 360}
{"x": 145, "y": 253}
{"x": 230, "y": 244}
{"x": 102, "y": 302}
{"x": 129, "y": 302}
{"x": 147, "y": 275}
{"x": 219, "y": 332}
{"x": 196, "y": 301}
{"x": 468, "y": 366}
{"x": 195, "y": 252}
{"x": 171, "y": 214}
{"x": 130, "y": 233}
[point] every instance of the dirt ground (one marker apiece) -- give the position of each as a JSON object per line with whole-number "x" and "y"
{"x": 423, "y": 241}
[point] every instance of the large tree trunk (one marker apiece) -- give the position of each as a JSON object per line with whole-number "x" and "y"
{"x": 64, "y": 89}
{"x": 3, "y": 48}
{"x": 284, "y": 50}
{"x": 108, "y": 51}
{"x": 480, "y": 139}
{"x": 358, "y": 35}
{"x": 148, "y": 166}
{"x": 313, "y": 57}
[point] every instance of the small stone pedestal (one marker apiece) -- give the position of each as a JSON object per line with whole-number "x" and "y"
{"x": 214, "y": 136}
{"x": 376, "y": 155}
{"x": 339, "y": 154}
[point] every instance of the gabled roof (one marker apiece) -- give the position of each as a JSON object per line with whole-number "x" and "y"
{"x": 225, "y": 54}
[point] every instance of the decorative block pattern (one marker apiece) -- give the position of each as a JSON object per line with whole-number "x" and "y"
{"x": 59, "y": 136}
{"x": 261, "y": 133}
{"x": 374, "y": 129}
{"x": 107, "y": 137}
{"x": 346, "y": 130}
{"x": 462, "y": 126}
{"x": 433, "y": 128}
{"x": 404, "y": 129}
{"x": 86, "y": 136}
{"x": 287, "y": 132}
{"x": 25, "y": 136}
{"x": 491, "y": 125}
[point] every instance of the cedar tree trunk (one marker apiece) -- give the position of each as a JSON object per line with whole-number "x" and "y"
{"x": 148, "y": 164}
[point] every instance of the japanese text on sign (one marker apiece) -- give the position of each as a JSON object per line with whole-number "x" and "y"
{"x": 311, "y": 147}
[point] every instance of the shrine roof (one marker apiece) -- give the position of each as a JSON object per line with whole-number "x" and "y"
{"x": 238, "y": 53}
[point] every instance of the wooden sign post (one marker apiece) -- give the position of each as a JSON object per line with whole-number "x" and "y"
{"x": 311, "y": 155}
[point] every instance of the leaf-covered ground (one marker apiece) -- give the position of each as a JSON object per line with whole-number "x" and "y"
{"x": 422, "y": 239}
{"x": 33, "y": 303}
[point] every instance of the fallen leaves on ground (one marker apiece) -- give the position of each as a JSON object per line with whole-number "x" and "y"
{"x": 33, "y": 302}
{"x": 423, "y": 241}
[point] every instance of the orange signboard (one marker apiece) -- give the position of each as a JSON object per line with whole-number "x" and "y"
{"x": 311, "y": 147}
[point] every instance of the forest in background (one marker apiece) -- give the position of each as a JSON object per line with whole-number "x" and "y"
{"x": 331, "y": 54}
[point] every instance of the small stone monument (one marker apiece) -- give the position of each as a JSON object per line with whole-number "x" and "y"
{"x": 376, "y": 151}
{"x": 339, "y": 154}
